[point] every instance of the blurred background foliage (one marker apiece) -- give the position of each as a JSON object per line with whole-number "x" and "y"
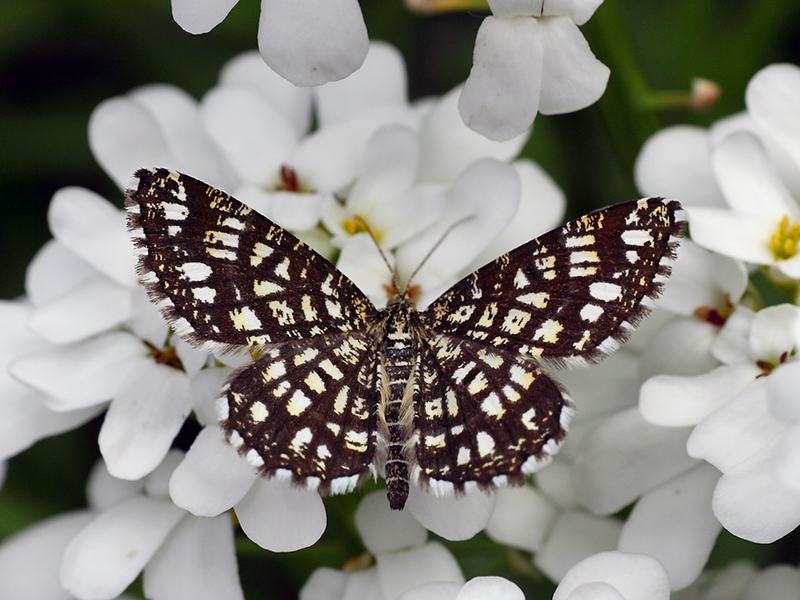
{"x": 60, "y": 58}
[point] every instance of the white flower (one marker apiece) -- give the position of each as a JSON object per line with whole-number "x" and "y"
{"x": 403, "y": 558}
{"x": 309, "y": 42}
{"x": 741, "y": 579}
{"x": 479, "y": 588}
{"x": 24, "y": 413}
{"x": 703, "y": 290}
{"x": 740, "y": 182}
{"x": 84, "y": 284}
{"x": 530, "y": 57}
{"x": 740, "y": 413}
{"x": 130, "y": 527}
{"x": 615, "y": 576}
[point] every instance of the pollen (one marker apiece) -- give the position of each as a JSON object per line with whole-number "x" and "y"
{"x": 784, "y": 241}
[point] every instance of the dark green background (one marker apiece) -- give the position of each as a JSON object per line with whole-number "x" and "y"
{"x": 60, "y": 58}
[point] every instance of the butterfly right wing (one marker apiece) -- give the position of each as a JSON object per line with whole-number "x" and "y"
{"x": 226, "y": 276}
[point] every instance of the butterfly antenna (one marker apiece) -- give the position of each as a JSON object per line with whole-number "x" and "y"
{"x": 437, "y": 244}
{"x": 360, "y": 221}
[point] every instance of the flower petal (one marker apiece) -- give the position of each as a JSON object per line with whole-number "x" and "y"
{"x": 324, "y": 584}
{"x": 29, "y": 559}
{"x": 95, "y": 306}
{"x": 94, "y": 230}
{"x": 522, "y": 517}
{"x": 541, "y": 208}
{"x": 636, "y": 576}
{"x": 771, "y": 100}
{"x": 196, "y": 562}
{"x": 313, "y": 41}
{"x": 575, "y": 537}
{"x": 682, "y": 346}
{"x": 674, "y": 523}
{"x": 774, "y": 333}
{"x": 448, "y": 146}
{"x": 254, "y": 135}
{"x": 108, "y": 554}
{"x": 104, "y": 490}
{"x": 143, "y": 420}
{"x": 437, "y": 590}
{"x": 490, "y": 587}
{"x": 500, "y": 98}
{"x": 399, "y": 572}
{"x": 179, "y": 120}
{"x": 479, "y": 222}
{"x": 452, "y": 517}
{"x": 676, "y": 162}
{"x": 625, "y": 457}
{"x": 213, "y": 477}
{"x": 748, "y": 179}
{"x": 702, "y": 278}
{"x": 735, "y": 234}
{"x": 280, "y": 517}
{"x": 82, "y": 374}
{"x": 572, "y": 78}
{"x": 738, "y": 430}
{"x": 248, "y": 70}
{"x": 677, "y": 401}
{"x": 55, "y": 271}
{"x": 752, "y": 503}
{"x": 384, "y": 530}
{"x": 381, "y": 81}
{"x": 200, "y": 16}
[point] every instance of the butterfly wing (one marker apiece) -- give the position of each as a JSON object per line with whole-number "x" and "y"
{"x": 484, "y": 411}
{"x": 226, "y": 276}
{"x": 483, "y": 415}
{"x": 306, "y": 411}
{"x": 571, "y": 295}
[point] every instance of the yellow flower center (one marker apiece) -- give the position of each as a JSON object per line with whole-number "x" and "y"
{"x": 784, "y": 241}
{"x": 356, "y": 224}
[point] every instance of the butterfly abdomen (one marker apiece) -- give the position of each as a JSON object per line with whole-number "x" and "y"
{"x": 400, "y": 356}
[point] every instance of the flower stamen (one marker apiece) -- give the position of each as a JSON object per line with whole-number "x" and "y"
{"x": 164, "y": 356}
{"x": 767, "y": 367}
{"x": 716, "y": 316}
{"x": 784, "y": 241}
{"x": 355, "y": 224}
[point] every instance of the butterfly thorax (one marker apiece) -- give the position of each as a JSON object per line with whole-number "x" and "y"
{"x": 400, "y": 354}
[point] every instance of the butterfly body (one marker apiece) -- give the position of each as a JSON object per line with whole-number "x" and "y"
{"x": 449, "y": 398}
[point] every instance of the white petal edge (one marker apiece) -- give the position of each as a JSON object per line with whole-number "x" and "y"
{"x": 500, "y": 98}
{"x": 636, "y": 576}
{"x": 314, "y": 41}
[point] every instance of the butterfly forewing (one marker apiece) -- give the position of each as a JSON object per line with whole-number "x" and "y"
{"x": 226, "y": 276}
{"x": 572, "y": 294}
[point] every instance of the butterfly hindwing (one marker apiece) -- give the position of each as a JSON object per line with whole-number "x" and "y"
{"x": 483, "y": 415}
{"x": 307, "y": 411}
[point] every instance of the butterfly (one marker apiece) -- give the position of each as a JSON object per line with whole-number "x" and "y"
{"x": 450, "y": 398}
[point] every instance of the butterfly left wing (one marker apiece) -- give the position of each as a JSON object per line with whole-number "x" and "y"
{"x": 225, "y": 277}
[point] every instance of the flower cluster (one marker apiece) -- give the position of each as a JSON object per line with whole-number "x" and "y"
{"x": 693, "y": 427}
